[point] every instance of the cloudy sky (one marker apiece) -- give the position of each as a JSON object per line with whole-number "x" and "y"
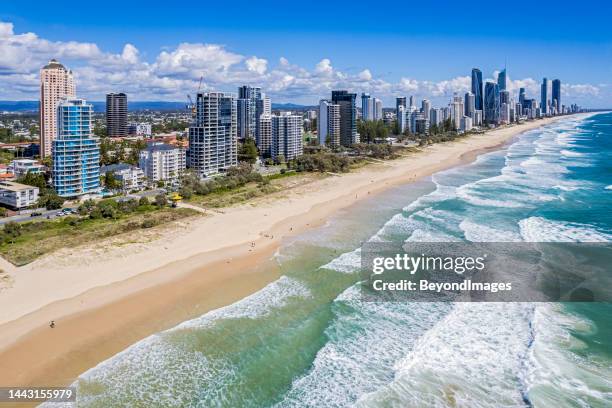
{"x": 300, "y": 52}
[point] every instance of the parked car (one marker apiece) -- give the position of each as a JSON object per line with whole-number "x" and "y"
{"x": 35, "y": 214}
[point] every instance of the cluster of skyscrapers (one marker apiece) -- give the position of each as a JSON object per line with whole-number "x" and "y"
{"x": 488, "y": 104}
{"x": 221, "y": 120}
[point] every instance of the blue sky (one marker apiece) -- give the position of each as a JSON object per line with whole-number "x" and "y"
{"x": 387, "y": 49}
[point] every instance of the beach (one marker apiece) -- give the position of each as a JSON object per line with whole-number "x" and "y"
{"x": 105, "y": 298}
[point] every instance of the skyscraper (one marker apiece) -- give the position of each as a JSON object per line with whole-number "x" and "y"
{"x": 469, "y": 104}
{"x": 213, "y": 140}
{"x": 75, "y": 150}
{"x": 348, "y": 115}
{"x": 491, "y": 102}
{"x": 522, "y": 97}
{"x": 264, "y": 141}
{"x": 544, "y": 96}
{"x": 501, "y": 80}
{"x": 504, "y": 97}
{"x": 378, "y": 109}
{"x": 329, "y": 124}
{"x": 400, "y": 101}
{"x": 116, "y": 115}
{"x": 264, "y": 107}
{"x": 56, "y": 83}
{"x": 287, "y": 136}
{"x": 367, "y": 107}
{"x": 556, "y": 94}
{"x": 412, "y": 103}
{"x": 425, "y": 108}
{"x": 477, "y": 88}
{"x": 246, "y": 105}
{"x": 457, "y": 111}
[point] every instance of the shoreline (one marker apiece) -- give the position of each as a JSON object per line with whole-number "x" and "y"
{"x": 114, "y": 301}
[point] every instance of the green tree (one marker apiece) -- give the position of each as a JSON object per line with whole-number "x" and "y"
{"x": 111, "y": 182}
{"x": 36, "y": 180}
{"x": 161, "y": 200}
{"x": 50, "y": 200}
{"x": 12, "y": 230}
{"x": 248, "y": 151}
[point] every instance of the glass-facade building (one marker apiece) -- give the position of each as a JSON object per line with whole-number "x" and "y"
{"x": 348, "y": 116}
{"x": 477, "y": 88}
{"x": 556, "y": 94}
{"x": 492, "y": 103}
{"x": 75, "y": 150}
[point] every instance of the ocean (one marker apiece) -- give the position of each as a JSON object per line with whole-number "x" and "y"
{"x": 307, "y": 340}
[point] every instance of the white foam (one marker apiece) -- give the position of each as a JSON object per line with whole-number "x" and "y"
{"x": 365, "y": 341}
{"x": 482, "y": 233}
{"x": 569, "y": 153}
{"x": 171, "y": 367}
{"x": 272, "y": 296}
{"x": 348, "y": 262}
{"x": 538, "y": 229}
{"x": 472, "y": 358}
{"x": 557, "y": 376}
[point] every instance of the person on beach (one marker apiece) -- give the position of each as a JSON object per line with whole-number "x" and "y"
{"x": 52, "y": 324}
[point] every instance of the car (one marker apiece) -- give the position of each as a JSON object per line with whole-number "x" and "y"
{"x": 35, "y": 214}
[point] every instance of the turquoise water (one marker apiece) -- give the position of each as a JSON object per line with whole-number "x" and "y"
{"x": 307, "y": 340}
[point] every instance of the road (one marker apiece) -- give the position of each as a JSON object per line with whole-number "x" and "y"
{"x": 53, "y": 213}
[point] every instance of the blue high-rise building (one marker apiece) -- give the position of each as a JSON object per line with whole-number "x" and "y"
{"x": 477, "y": 88}
{"x": 544, "y": 96}
{"x": 501, "y": 80}
{"x": 367, "y": 107}
{"x": 491, "y": 103}
{"x": 75, "y": 150}
{"x": 556, "y": 94}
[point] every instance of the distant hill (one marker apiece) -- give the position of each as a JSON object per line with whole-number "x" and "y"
{"x": 100, "y": 106}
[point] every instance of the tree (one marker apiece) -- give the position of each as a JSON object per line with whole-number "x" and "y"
{"x": 161, "y": 200}
{"x": 36, "y": 180}
{"x": 248, "y": 151}
{"x": 111, "y": 182}
{"x": 12, "y": 230}
{"x": 50, "y": 200}
{"x": 144, "y": 201}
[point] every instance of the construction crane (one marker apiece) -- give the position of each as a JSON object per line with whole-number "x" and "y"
{"x": 191, "y": 105}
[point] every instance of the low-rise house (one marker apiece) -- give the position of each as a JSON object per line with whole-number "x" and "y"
{"x": 131, "y": 177}
{"x": 16, "y": 195}
{"x": 21, "y": 167}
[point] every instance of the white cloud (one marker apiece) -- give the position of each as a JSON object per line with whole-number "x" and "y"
{"x": 258, "y": 65}
{"x": 130, "y": 54}
{"x": 176, "y": 71}
{"x": 324, "y": 67}
{"x": 365, "y": 75}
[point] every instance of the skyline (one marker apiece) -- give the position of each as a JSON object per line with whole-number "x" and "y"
{"x": 159, "y": 55}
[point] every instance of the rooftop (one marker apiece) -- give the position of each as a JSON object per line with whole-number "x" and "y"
{"x": 54, "y": 64}
{"x": 115, "y": 167}
{"x": 12, "y": 186}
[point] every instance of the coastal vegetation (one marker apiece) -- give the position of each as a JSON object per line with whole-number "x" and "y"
{"x": 22, "y": 243}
